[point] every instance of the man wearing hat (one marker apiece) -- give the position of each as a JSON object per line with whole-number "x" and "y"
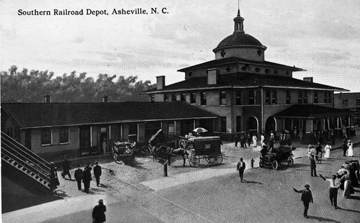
{"x": 306, "y": 198}
{"x": 98, "y": 213}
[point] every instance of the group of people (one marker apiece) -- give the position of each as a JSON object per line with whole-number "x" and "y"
{"x": 248, "y": 140}
{"x": 82, "y": 175}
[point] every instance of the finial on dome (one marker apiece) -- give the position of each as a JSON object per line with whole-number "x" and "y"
{"x": 239, "y": 26}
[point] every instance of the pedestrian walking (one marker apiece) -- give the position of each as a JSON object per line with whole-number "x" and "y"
{"x": 262, "y": 139}
{"x": 236, "y": 140}
{"x": 350, "y": 150}
{"x": 55, "y": 183}
{"x": 306, "y": 198}
{"x": 319, "y": 152}
{"x": 87, "y": 178}
{"x": 334, "y": 187}
{"x": 66, "y": 168}
{"x": 243, "y": 141}
{"x": 254, "y": 140}
{"x": 327, "y": 151}
{"x": 271, "y": 140}
{"x": 241, "y": 167}
{"x": 98, "y": 213}
{"x": 78, "y": 176}
{"x": 312, "y": 166}
{"x": 344, "y": 147}
{"x": 248, "y": 139}
{"x": 97, "y": 173}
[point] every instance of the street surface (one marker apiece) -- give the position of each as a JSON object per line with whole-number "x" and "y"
{"x": 202, "y": 194}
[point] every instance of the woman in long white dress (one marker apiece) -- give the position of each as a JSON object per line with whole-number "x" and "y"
{"x": 327, "y": 150}
{"x": 350, "y": 151}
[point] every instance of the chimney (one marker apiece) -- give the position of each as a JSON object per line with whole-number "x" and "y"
{"x": 47, "y": 99}
{"x": 308, "y": 79}
{"x": 104, "y": 99}
{"x": 212, "y": 76}
{"x": 160, "y": 82}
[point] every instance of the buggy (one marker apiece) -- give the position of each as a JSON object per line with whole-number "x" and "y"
{"x": 282, "y": 154}
{"x": 208, "y": 148}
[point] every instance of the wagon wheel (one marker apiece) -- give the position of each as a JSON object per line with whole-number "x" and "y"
{"x": 213, "y": 160}
{"x": 275, "y": 165}
{"x": 290, "y": 161}
{"x": 182, "y": 143}
{"x": 194, "y": 161}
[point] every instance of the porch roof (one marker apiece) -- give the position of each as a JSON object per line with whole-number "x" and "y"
{"x": 311, "y": 111}
{"x": 35, "y": 115}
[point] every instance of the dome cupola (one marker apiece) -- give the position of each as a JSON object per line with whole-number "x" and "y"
{"x": 240, "y": 44}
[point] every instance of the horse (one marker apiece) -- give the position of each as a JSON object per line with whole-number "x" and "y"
{"x": 166, "y": 152}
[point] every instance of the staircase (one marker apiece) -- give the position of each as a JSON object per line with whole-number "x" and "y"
{"x": 24, "y": 167}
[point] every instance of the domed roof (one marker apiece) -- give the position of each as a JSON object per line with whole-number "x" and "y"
{"x": 239, "y": 39}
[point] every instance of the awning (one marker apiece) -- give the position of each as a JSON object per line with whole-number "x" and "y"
{"x": 310, "y": 111}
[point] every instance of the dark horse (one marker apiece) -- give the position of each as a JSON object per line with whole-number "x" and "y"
{"x": 165, "y": 153}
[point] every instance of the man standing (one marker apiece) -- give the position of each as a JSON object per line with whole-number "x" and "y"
{"x": 236, "y": 139}
{"x": 334, "y": 186}
{"x": 78, "y": 176}
{"x": 319, "y": 151}
{"x": 66, "y": 168}
{"x": 241, "y": 167}
{"x": 97, "y": 173}
{"x": 98, "y": 213}
{"x": 344, "y": 147}
{"x": 87, "y": 178}
{"x": 306, "y": 198}
{"x": 312, "y": 165}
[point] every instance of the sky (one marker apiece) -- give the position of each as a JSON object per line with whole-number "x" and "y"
{"x": 320, "y": 36}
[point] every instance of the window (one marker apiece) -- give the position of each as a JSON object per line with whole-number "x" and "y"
{"x": 267, "y": 97}
{"x": 238, "y": 97}
{"x": 203, "y": 98}
{"x": 222, "y": 97}
{"x": 64, "y": 135}
{"x": 316, "y": 97}
{"x": 345, "y": 101}
{"x": 183, "y": 97}
{"x": 251, "y": 97}
{"x": 193, "y": 98}
{"x": 238, "y": 123}
{"x": 274, "y": 97}
{"x": 329, "y": 97}
{"x": 288, "y": 97}
{"x": 300, "y": 97}
{"x": 173, "y": 97}
{"x": 46, "y": 136}
{"x": 223, "y": 124}
{"x": 166, "y": 98}
{"x": 305, "y": 97}
{"x": 357, "y": 102}
{"x": 152, "y": 98}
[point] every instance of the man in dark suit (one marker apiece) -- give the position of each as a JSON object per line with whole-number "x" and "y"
{"x": 241, "y": 167}
{"x": 66, "y": 168}
{"x": 306, "y": 198}
{"x": 87, "y": 177}
{"x": 97, "y": 173}
{"x": 98, "y": 213}
{"x": 78, "y": 176}
{"x": 313, "y": 166}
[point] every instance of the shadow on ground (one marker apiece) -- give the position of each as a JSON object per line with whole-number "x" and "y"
{"x": 11, "y": 202}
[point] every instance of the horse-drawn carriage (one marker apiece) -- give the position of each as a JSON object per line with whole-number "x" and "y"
{"x": 282, "y": 154}
{"x": 194, "y": 148}
{"x": 124, "y": 152}
{"x": 208, "y": 148}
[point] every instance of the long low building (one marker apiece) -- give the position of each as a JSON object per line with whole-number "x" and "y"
{"x": 55, "y": 129}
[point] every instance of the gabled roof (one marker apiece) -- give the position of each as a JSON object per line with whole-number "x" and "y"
{"x": 247, "y": 80}
{"x": 311, "y": 111}
{"x": 33, "y": 115}
{"x": 232, "y": 60}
